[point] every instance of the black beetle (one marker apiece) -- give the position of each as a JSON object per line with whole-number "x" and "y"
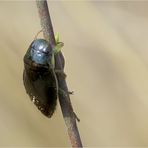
{"x": 38, "y": 77}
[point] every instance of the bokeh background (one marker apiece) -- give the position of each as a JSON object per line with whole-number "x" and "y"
{"x": 106, "y": 50}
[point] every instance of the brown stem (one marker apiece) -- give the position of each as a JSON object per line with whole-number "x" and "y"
{"x": 64, "y": 99}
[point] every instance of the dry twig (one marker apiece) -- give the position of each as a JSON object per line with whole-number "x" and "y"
{"x": 66, "y": 107}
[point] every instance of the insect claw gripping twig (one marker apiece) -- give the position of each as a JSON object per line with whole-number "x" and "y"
{"x": 71, "y": 92}
{"x": 76, "y": 117}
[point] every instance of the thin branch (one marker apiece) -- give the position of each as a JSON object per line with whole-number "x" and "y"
{"x": 65, "y": 103}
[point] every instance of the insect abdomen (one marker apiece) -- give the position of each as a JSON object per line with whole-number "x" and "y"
{"x": 40, "y": 85}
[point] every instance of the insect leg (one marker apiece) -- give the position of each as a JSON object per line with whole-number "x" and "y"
{"x": 65, "y": 94}
{"x": 60, "y": 72}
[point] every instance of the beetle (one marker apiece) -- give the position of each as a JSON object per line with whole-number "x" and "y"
{"x": 39, "y": 77}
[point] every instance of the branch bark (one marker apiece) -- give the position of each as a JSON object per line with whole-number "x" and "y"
{"x": 65, "y": 103}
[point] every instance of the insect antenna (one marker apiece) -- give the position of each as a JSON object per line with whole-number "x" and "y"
{"x": 38, "y": 34}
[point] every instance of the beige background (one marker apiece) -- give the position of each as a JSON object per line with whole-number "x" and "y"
{"x": 106, "y": 50}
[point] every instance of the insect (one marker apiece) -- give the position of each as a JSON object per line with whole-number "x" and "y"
{"x": 39, "y": 77}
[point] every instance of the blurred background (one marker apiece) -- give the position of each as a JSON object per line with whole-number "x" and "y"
{"x": 106, "y": 52}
